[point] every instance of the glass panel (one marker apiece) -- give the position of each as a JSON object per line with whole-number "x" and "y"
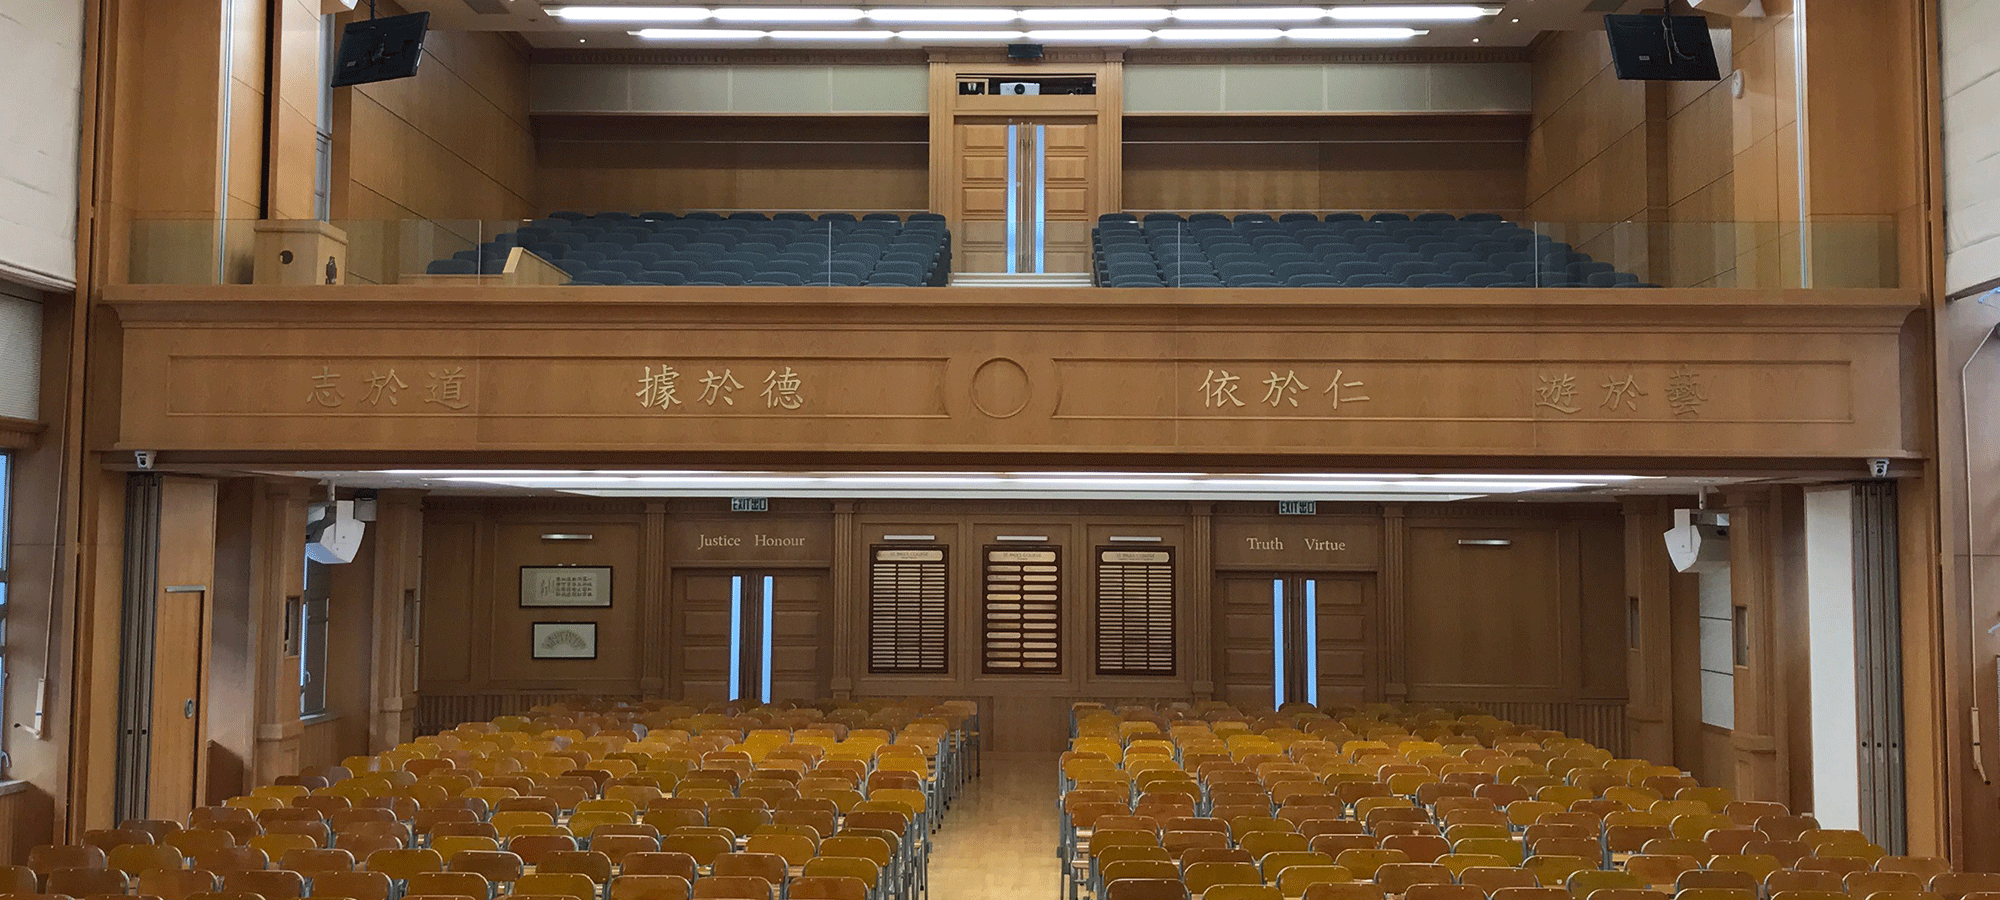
{"x": 1312, "y": 642}
{"x": 769, "y": 627}
{"x": 735, "y": 637}
{"x": 1277, "y": 642}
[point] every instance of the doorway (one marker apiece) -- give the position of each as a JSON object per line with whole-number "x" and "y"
{"x": 1026, "y": 193}
{"x": 1296, "y": 638}
{"x": 749, "y": 634}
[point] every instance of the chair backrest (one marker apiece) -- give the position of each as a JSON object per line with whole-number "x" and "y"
{"x": 845, "y": 867}
{"x": 449, "y": 884}
{"x": 659, "y": 863}
{"x": 1444, "y": 891}
{"x": 84, "y": 882}
{"x": 737, "y": 887}
{"x": 351, "y": 886}
{"x": 650, "y": 887}
{"x": 1350, "y": 890}
{"x": 133, "y": 859}
{"x": 51, "y": 857}
{"x": 1495, "y": 877}
{"x": 1146, "y": 889}
{"x": 556, "y": 884}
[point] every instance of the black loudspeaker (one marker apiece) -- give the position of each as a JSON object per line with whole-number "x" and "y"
{"x": 1661, "y": 48}
{"x": 1024, "y": 51}
{"x": 381, "y": 49}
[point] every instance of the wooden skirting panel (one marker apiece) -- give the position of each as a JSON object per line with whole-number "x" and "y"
{"x": 1601, "y": 722}
{"x": 436, "y": 713}
{"x": 319, "y": 744}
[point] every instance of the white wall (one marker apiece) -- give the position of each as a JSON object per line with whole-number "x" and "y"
{"x": 43, "y": 68}
{"x": 1836, "y": 754}
{"x": 20, "y": 354}
{"x": 1971, "y": 43}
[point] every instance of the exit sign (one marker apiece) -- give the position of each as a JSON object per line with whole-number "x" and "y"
{"x": 749, "y": 504}
{"x": 1298, "y": 507}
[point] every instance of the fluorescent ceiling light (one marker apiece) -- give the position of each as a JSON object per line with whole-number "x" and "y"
{"x": 1352, "y": 34}
{"x": 1092, "y": 34}
{"x": 698, "y": 34}
{"x": 1217, "y": 34}
{"x": 1094, "y": 15}
{"x": 965, "y": 15}
{"x": 832, "y": 35}
{"x": 786, "y": 14}
{"x": 630, "y": 13}
{"x": 1250, "y": 14}
{"x": 1412, "y": 13}
{"x": 961, "y": 35}
{"x": 1006, "y": 485}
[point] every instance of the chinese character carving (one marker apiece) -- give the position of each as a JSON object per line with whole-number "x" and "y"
{"x": 1685, "y": 393}
{"x": 781, "y": 390}
{"x": 1219, "y": 389}
{"x": 325, "y": 388}
{"x": 383, "y": 387}
{"x": 1558, "y": 393}
{"x": 718, "y": 387}
{"x": 1339, "y": 389}
{"x": 656, "y": 390}
{"x": 1279, "y": 389}
{"x": 1622, "y": 392}
{"x": 447, "y": 388}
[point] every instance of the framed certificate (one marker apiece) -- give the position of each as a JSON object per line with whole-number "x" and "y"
{"x": 566, "y": 586}
{"x": 565, "y": 640}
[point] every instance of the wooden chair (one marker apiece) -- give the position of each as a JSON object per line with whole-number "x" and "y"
{"x": 51, "y": 857}
{"x": 231, "y": 859}
{"x": 1803, "y": 880}
{"x": 351, "y": 886}
{"x": 741, "y": 887}
{"x": 83, "y": 882}
{"x": 1348, "y": 890}
{"x": 1443, "y": 891}
{"x": 449, "y": 884}
{"x": 1396, "y": 878}
{"x": 1243, "y": 892}
{"x": 1146, "y": 889}
{"x": 649, "y": 887}
{"x": 271, "y": 885}
{"x": 134, "y": 859}
{"x": 1494, "y": 877}
{"x": 1585, "y": 883}
{"x": 566, "y": 884}
{"x": 1955, "y": 885}
{"x": 176, "y": 884}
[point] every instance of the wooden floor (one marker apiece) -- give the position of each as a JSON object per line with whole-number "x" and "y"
{"x": 999, "y": 840}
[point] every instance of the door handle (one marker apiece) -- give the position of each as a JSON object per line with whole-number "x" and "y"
{"x": 187, "y": 709}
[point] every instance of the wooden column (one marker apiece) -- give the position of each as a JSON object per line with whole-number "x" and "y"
{"x": 846, "y": 575}
{"x": 1389, "y": 644}
{"x": 1757, "y": 738}
{"x": 1199, "y": 618}
{"x": 278, "y": 524}
{"x": 1649, "y": 663}
{"x": 398, "y": 538}
{"x": 655, "y": 586}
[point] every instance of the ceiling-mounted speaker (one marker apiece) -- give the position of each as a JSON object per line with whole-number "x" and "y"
{"x": 1741, "y": 9}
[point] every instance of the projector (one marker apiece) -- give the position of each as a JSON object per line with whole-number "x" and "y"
{"x": 1017, "y": 88}
{"x": 1699, "y": 541}
{"x": 333, "y": 534}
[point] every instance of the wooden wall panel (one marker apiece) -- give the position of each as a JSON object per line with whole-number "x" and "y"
{"x": 1061, "y": 372}
{"x": 452, "y": 143}
{"x": 1183, "y": 163}
{"x": 856, "y": 163}
{"x": 1571, "y": 573}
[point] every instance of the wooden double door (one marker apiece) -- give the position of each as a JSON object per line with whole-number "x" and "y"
{"x": 750, "y": 634}
{"x": 1291, "y": 637}
{"x": 1027, "y": 193}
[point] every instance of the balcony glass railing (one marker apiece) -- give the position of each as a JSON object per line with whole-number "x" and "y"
{"x": 1296, "y": 249}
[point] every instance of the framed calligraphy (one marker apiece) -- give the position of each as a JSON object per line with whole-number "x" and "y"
{"x": 565, "y": 586}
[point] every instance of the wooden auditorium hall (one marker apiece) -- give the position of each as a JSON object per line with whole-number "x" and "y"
{"x": 947, "y": 450}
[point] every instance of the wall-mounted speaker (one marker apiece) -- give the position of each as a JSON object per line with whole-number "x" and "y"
{"x": 1742, "y": 9}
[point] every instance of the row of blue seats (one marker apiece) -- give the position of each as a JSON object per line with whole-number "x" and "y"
{"x": 1300, "y": 250}
{"x": 711, "y": 249}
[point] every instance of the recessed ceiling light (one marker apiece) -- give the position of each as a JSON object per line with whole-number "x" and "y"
{"x": 697, "y": 34}
{"x": 1352, "y": 34}
{"x": 1217, "y": 34}
{"x": 966, "y": 15}
{"x": 832, "y": 35}
{"x": 1092, "y": 34}
{"x": 960, "y": 35}
{"x": 629, "y": 13}
{"x": 1250, "y": 14}
{"x": 1094, "y": 15}
{"x": 1443, "y": 13}
{"x": 786, "y": 14}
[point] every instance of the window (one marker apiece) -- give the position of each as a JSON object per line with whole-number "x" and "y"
{"x": 312, "y": 639}
{"x": 6, "y": 507}
{"x": 906, "y": 609}
{"x": 1718, "y": 651}
{"x": 1135, "y": 612}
